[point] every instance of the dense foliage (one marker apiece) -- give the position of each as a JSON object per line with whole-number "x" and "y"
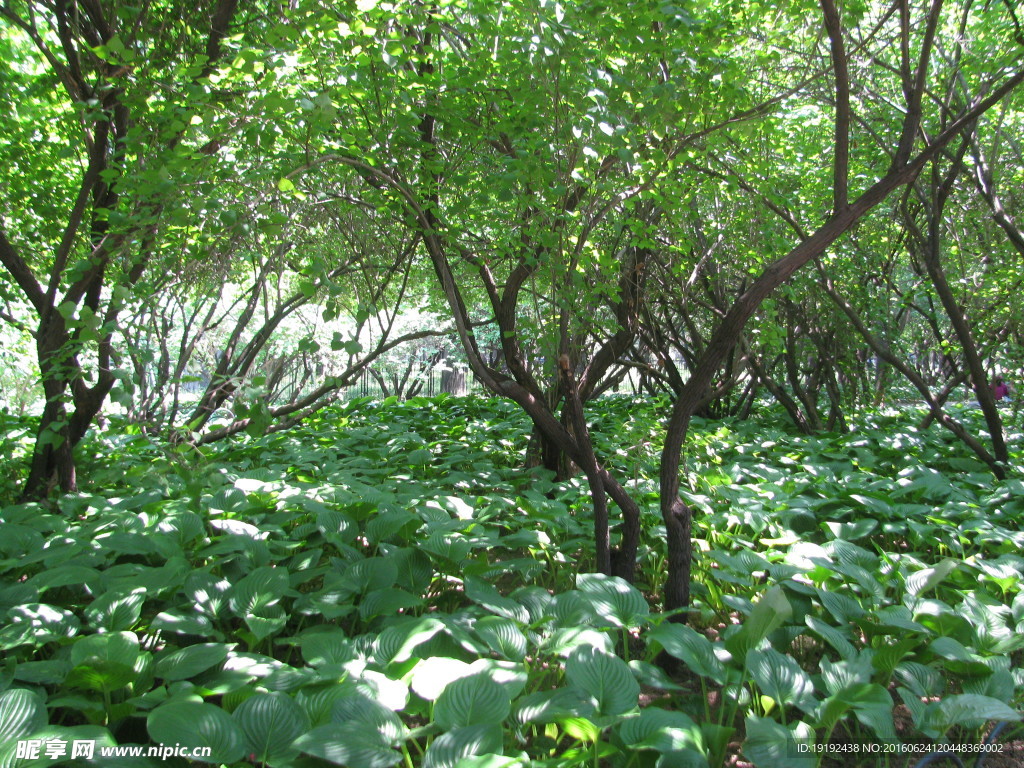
{"x": 385, "y": 585}
{"x": 221, "y": 221}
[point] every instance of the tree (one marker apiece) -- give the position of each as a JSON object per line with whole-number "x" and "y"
{"x": 115, "y": 89}
{"x": 914, "y": 145}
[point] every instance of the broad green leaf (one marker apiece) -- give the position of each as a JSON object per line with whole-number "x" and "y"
{"x": 564, "y": 641}
{"x": 653, "y": 676}
{"x": 873, "y": 706}
{"x": 370, "y": 574}
{"x": 661, "y": 731}
{"x": 552, "y": 706}
{"x": 921, "y": 581}
{"x": 104, "y": 662}
{"x": 616, "y": 602}
{"x": 966, "y": 709}
{"x": 581, "y": 728}
{"x": 64, "y": 576}
{"x": 198, "y": 725}
{"x": 115, "y": 611}
{"x": 999, "y": 685}
{"x": 184, "y": 624}
{"x": 842, "y": 607}
{"x": 769, "y": 613}
{"x": 924, "y": 681}
{"x": 493, "y": 761}
{"x": 393, "y": 694}
{"x": 36, "y": 624}
{"x": 852, "y": 531}
{"x": 371, "y": 713}
{"x": 447, "y": 749}
{"x": 502, "y": 636}
{"x": 781, "y": 678}
{"x": 832, "y": 636}
{"x": 840, "y": 675}
{"x": 264, "y": 587}
{"x": 398, "y": 641}
{"x": 318, "y": 701}
{"x": 473, "y": 700}
{"x": 419, "y": 456}
{"x": 691, "y": 647}
{"x": 572, "y": 609}
{"x": 270, "y": 722}
{"x": 387, "y": 602}
{"x": 605, "y": 678}
{"x": 190, "y": 661}
{"x": 268, "y": 621}
{"x": 329, "y": 647}
{"x": 431, "y": 676}
{"x": 771, "y": 745}
{"x": 486, "y": 596}
{"x": 350, "y": 744}
{"x": 395, "y": 526}
{"x": 22, "y": 713}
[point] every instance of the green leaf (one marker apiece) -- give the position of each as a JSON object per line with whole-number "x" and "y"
{"x": 872, "y": 705}
{"x": 37, "y": 623}
{"x": 780, "y": 677}
{"x": 264, "y": 587}
{"x": 22, "y": 713}
{"x": 769, "y": 613}
{"x": 502, "y": 636}
{"x": 832, "y": 636}
{"x": 104, "y": 662}
{"x": 969, "y": 710}
{"x": 350, "y": 744}
{"x": 387, "y": 602}
{"x": 64, "y": 576}
{"x": 419, "y": 457}
{"x": 690, "y": 647}
{"x": 853, "y": 530}
{"x": 270, "y": 722}
{"x": 121, "y": 647}
{"x": 921, "y": 581}
{"x": 190, "y": 661}
{"x": 846, "y": 673}
{"x": 661, "y": 731}
{"x": 604, "y": 677}
{"x": 924, "y": 681}
{"x": 486, "y": 596}
{"x": 318, "y": 702}
{"x": 432, "y": 675}
{"x": 398, "y": 641}
{"x": 581, "y": 728}
{"x": 652, "y": 676}
{"x": 473, "y": 700}
{"x": 771, "y": 745}
{"x": 198, "y": 725}
{"x": 326, "y": 647}
{"x": 551, "y": 706}
{"x": 615, "y": 601}
{"x": 372, "y": 714}
{"x": 448, "y": 748}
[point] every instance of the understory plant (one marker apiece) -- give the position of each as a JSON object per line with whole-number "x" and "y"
{"x": 386, "y": 586}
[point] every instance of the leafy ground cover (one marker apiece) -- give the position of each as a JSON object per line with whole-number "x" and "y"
{"x": 386, "y": 586}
